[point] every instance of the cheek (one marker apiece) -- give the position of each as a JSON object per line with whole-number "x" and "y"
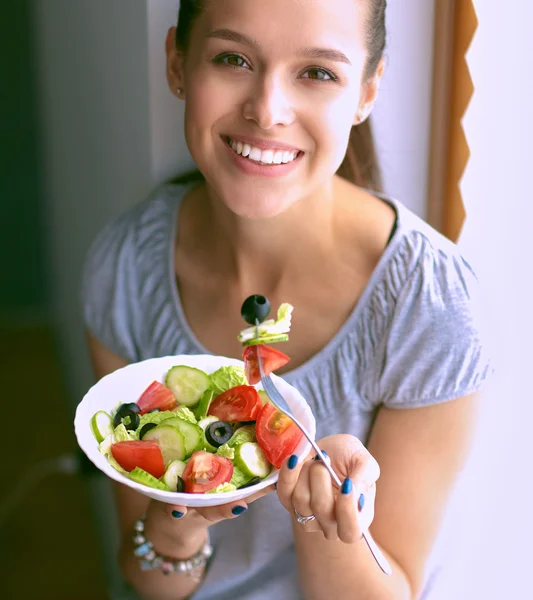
{"x": 332, "y": 125}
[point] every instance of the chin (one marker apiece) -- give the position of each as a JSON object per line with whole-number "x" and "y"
{"x": 257, "y": 204}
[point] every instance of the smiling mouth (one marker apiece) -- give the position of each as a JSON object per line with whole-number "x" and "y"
{"x": 260, "y": 156}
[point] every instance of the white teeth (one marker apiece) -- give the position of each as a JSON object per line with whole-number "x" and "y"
{"x": 267, "y": 157}
{"x": 255, "y": 154}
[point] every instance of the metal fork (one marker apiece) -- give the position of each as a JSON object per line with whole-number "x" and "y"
{"x": 279, "y": 402}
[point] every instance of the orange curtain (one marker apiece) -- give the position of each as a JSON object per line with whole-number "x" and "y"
{"x": 455, "y": 26}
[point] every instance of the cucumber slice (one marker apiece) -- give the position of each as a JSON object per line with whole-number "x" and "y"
{"x": 170, "y": 440}
{"x": 141, "y": 476}
{"x": 203, "y": 423}
{"x": 251, "y": 460}
{"x": 174, "y": 470}
{"x": 205, "y": 402}
{"x": 101, "y": 425}
{"x": 267, "y": 339}
{"x": 264, "y": 398}
{"x": 193, "y": 436}
{"x": 187, "y": 384}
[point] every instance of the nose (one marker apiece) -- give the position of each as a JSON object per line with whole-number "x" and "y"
{"x": 269, "y": 105}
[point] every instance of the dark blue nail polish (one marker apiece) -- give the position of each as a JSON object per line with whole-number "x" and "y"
{"x": 276, "y": 485}
{"x": 238, "y": 510}
{"x": 293, "y": 461}
{"x": 317, "y": 457}
{"x": 347, "y": 487}
{"x": 361, "y": 503}
{"x": 177, "y": 514}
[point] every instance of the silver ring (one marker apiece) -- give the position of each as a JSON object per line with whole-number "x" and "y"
{"x": 303, "y": 520}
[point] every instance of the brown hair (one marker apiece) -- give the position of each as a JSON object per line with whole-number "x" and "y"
{"x": 360, "y": 164}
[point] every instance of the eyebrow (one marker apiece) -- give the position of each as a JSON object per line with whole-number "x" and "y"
{"x": 241, "y": 38}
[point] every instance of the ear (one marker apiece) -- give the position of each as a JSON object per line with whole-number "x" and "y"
{"x": 175, "y": 60}
{"x": 369, "y": 95}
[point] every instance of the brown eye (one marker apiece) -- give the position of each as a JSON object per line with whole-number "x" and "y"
{"x": 232, "y": 60}
{"x": 318, "y": 75}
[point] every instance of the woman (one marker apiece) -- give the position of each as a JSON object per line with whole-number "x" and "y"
{"x": 384, "y": 344}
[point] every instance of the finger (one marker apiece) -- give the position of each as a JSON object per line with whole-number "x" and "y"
{"x": 260, "y": 494}
{"x": 301, "y": 495}
{"x": 364, "y": 471}
{"x": 288, "y": 477}
{"x": 347, "y": 514}
{"x": 323, "y": 500}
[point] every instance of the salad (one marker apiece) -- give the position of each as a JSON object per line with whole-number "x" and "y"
{"x": 202, "y": 433}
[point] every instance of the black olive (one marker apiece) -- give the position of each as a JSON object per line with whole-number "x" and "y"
{"x": 254, "y": 308}
{"x": 132, "y": 406}
{"x": 180, "y": 485}
{"x": 127, "y": 417}
{"x": 145, "y": 429}
{"x": 218, "y": 433}
{"x": 154, "y": 410}
{"x": 253, "y": 481}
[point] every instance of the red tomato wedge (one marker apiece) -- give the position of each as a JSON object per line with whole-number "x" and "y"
{"x": 156, "y": 395}
{"x": 271, "y": 358}
{"x": 206, "y": 471}
{"x": 145, "y": 455}
{"x": 240, "y": 403}
{"x": 276, "y": 434}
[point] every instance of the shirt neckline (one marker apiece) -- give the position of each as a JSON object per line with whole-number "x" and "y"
{"x": 345, "y": 328}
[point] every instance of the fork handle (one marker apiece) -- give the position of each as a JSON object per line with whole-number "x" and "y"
{"x": 383, "y": 563}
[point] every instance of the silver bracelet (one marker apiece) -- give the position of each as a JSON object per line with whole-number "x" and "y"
{"x": 150, "y": 559}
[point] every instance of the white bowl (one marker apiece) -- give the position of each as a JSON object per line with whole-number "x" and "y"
{"x": 128, "y": 383}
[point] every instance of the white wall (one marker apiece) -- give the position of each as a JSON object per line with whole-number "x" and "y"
{"x": 403, "y": 110}
{"x": 494, "y": 512}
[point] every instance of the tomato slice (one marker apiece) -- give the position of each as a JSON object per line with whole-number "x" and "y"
{"x": 240, "y": 403}
{"x": 206, "y": 471}
{"x": 156, "y": 395}
{"x": 276, "y": 434}
{"x": 271, "y": 358}
{"x": 145, "y": 455}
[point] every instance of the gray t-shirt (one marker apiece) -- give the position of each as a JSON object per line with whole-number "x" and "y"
{"x": 412, "y": 340}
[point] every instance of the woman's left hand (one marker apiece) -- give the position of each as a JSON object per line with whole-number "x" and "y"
{"x": 307, "y": 488}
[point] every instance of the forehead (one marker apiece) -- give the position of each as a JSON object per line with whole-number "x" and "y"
{"x": 290, "y": 24}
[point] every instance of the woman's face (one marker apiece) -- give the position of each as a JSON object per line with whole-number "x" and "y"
{"x": 281, "y": 82}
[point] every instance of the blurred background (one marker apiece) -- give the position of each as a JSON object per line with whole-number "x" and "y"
{"x": 89, "y": 128}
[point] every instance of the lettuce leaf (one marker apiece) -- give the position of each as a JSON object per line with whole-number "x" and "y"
{"x": 239, "y": 478}
{"x": 224, "y": 487}
{"x": 242, "y": 435}
{"x": 185, "y": 414}
{"x": 226, "y": 378}
{"x": 155, "y": 417}
{"x": 226, "y": 452}
{"x": 270, "y": 327}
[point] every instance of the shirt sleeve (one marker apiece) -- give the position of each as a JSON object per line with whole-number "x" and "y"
{"x": 108, "y": 290}
{"x": 436, "y": 350}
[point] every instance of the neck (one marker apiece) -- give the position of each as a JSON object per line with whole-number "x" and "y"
{"x": 261, "y": 254}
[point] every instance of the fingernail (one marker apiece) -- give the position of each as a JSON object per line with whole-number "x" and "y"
{"x": 361, "y": 503}
{"x": 317, "y": 457}
{"x": 238, "y": 510}
{"x": 293, "y": 461}
{"x": 347, "y": 487}
{"x": 177, "y": 514}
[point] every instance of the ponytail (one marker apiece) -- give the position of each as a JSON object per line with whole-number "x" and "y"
{"x": 360, "y": 165}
